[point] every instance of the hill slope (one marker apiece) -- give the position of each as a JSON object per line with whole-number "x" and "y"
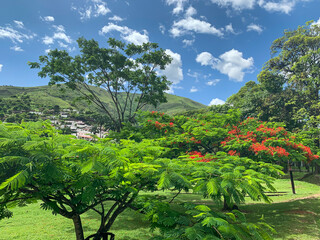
{"x": 49, "y": 96}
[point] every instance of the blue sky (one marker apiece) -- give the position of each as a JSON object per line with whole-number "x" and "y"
{"x": 216, "y": 45}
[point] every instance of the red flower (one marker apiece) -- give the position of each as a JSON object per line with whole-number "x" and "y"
{"x": 233, "y": 153}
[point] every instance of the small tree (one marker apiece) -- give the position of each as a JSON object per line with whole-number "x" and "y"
{"x": 71, "y": 176}
{"x": 127, "y": 72}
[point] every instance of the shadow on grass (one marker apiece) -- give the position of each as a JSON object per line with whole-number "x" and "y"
{"x": 128, "y": 220}
{"x": 289, "y": 219}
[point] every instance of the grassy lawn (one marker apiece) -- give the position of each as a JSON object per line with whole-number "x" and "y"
{"x": 293, "y": 217}
{"x": 33, "y": 223}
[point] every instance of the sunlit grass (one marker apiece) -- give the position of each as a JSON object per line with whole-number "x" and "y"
{"x": 292, "y": 219}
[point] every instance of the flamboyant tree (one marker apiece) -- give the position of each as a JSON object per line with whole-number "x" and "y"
{"x": 269, "y": 142}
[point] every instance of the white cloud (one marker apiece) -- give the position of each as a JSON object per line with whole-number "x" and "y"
{"x": 230, "y": 29}
{"x": 191, "y": 11}
{"x": 127, "y": 34}
{"x": 47, "y": 40}
{"x": 116, "y": 18}
{"x": 61, "y": 44}
{"x": 137, "y": 38}
{"x": 171, "y": 89}
{"x": 101, "y": 9}
{"x": 62, "y": 36}
{"x": 190, "y": 25}
{"x": 17, "y": 49}
{"x": 194, "y": 89}
{"x": 254, "y": 27}
{"x": 16, "y": 35}
{"x": 47, "y": 19}
{"x": 179, "y": 5}
{"x": 316, "y": 23}
{"x": 59, "y": 35}
{"x": 1, "y": 67}
{"x": 162, "y": 28}
{"x": 173, "y": 71}
{"x": 19, "y": 24}
{"x": 205, "y": 58}
{"x": 95, "y": 8}
{"x": 187, "y": 42}
{"x": 213, "y": 82}
{"x": 236, "y": 4}
{"x": 216, "y": 101}
{"x": 195, "y": 75}
{"x": 59, "y": 28}
{"x": 284, "y": 6}
{"x": 199, "y": 76}
{"x": 230, "y": 63}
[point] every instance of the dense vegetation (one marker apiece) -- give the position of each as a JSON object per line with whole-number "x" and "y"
{"x": 226, "y": 155}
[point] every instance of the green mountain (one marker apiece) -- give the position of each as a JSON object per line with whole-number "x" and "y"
{"x": 44, "y": 97}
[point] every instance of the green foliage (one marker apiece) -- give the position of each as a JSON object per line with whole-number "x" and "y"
{"x": 16, "y": 109}
{"x": 288, "y": 89}
{"x": 197, "y": 222}
{"x": 71, "y": 176}
{"x": 232, "y": 177}
{"x": 123, "y": 70}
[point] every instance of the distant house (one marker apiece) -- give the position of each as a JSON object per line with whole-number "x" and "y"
{"x": 84, "y": 136}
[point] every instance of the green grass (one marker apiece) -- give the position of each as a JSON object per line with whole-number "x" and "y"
{"x": 292, "y": 219}
{"x": 33, "y": 223}
{"x": 295, "y": 220}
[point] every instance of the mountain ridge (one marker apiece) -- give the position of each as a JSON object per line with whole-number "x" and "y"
{"x": 49, "y": 96}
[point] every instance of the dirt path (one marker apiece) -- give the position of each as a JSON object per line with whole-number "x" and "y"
{"x": 301, "y": 198}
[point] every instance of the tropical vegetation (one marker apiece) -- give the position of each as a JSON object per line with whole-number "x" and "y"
{"x": 228, "y": 155}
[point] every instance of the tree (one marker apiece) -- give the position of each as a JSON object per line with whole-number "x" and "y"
{"x": 71, "y": 176}
{"x": 266, "y": 141}
{"x": 295, "y": 66}
{"x": 129, "y": 73}
{"x": 258, "y": 100}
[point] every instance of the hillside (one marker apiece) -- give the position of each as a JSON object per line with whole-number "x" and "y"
{"x": 49, "y": 96}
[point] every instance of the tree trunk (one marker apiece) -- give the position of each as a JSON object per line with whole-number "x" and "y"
{"x": 226, "y": 207}
{"x": 317, "y": 169}
{"x": 78, "y": 227}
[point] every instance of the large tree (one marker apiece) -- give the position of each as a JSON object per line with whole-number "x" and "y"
{"x": 129, "y": 73}
{"x": 289, "y": 83}
{"x": 260, "y": 101}
{"x": 295, "y": 68}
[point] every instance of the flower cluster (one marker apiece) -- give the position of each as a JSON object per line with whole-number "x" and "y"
{"x": 310, "y": 156}
{"x": 200, "y": 158}
{"x": 259, "y": 138}
{"x": 159, "y": 125}
{"x": 271, "y": 131}
{"x": 195, "y": 140}
{"x": 156, "y": 113}
{"x": 233, "y": 153}
{"x": 279, "y": 151}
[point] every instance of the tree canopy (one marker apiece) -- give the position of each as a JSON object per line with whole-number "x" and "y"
{"x": 130, "y": 74}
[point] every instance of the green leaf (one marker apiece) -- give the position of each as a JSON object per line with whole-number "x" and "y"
{"x": 213, "y": 187}
{"x": 16, "y": 181}
{"x": 164, "y": 181}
